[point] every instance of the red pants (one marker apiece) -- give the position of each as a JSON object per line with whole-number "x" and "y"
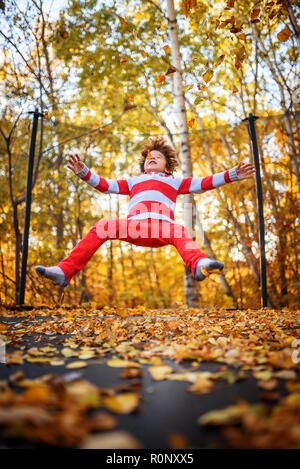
{"x": 148, "y": 232}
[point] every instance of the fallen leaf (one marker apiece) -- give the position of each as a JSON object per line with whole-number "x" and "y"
{"x": 111, "y": 440}
{"x": 76, "y": 364}
{"x": 268, "y": 385}
{"x": 160, "y": 372}
{"x": 125, "y": 403}
{"x": 229, "y": 415}
{"x": 201, "y": 386}
{"x": 118, "y": 363}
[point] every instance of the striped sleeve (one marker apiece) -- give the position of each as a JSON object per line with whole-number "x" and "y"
{"x": 108, "y": 186}
{"x": 199, "y": 185}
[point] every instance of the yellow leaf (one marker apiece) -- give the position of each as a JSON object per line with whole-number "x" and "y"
{"x": 229, "y": 415}
{"x": 264, "y": 375}
{"x": 202, "y": 385}
{"x": 207, "y": 76}
{"x": 116, "y": 439}
{"x": 160, "y": 372}
{"x": 77, "y": 364}
{"x": 124, "y": 403}
{"x": 35, "y": 394}
{"x": 67, "y": 352}
{"x": 268, "y": 385}
{"x": 86, "y": 355}
{"x": 188, "y": 87}
{"x": 118, "y": 363}
{"x": 84, "y": 393}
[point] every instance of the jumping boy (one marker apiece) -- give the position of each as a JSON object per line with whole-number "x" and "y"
{"x": 150, "y": 220}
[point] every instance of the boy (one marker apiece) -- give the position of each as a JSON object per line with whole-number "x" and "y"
{"x": 150, "y": 220}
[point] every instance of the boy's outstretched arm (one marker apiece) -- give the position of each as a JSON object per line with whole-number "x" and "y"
{"x": 108, "y": 186}
{"x": 202, "y": 184}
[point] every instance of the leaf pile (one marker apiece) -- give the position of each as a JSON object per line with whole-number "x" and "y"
{"x": 53, "y": 409}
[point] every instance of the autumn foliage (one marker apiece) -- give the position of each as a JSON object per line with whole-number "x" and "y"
{"x": 104, "y": 81}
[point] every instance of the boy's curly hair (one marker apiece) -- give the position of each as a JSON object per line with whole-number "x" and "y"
{"x": 160, "y": 144}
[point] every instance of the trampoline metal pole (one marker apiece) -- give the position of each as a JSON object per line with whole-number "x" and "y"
{"x": 21, "y": 295}
{"x": 263, "y": 280}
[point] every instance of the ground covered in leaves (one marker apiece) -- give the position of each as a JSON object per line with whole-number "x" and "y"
{"x": 100, "y": 377}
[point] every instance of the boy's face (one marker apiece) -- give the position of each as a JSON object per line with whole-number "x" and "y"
{"x": 156, "y": 163}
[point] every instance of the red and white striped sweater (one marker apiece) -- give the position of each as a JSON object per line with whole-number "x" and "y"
{"x": 154, "y": 195}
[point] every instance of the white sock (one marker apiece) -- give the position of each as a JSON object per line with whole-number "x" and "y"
{"x": 207, "y": 264}
{"x": 55, "y": 274}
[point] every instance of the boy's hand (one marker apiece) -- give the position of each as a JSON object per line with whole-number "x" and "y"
{"x": 245, "y": 170}
{"x": 75, "y": 163}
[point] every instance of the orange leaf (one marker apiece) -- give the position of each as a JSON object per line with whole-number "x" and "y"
{"x": 123, "y": 22}
{"x": 123, "y": 60}
{"x": 242, "y": 36}
{"x": 229, "y": 4}
{"x": 284, "y": 34}
{"x": 160, "y": 79}
{"x": 191, "y": 123}
{"x": 129, "y": 96}
{"x": 235, "y": 89}
{"x": 64, "y": 34}
{"x": 187, "y": 5}
{"x": 220, "y": 60}
{"x": 167, "y": 49}
{"x": 254, "y": 14}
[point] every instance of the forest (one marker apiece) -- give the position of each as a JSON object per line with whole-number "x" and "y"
{"x": 106, "y": 76}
